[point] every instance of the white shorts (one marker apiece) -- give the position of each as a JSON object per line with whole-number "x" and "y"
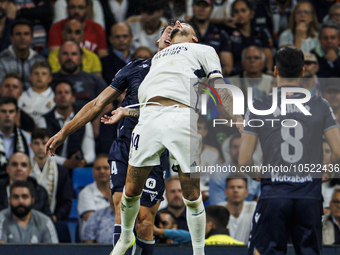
{"x": 161, "y": 128}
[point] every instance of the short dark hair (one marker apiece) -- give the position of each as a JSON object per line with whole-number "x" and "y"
{"x": 20, "y": 22}
{"x": 219, "y": 215}
{"x": 247, "y": 2}
{"x": 151, "y": 6}
{"x": 67, "y": 82}
{"x": 12, "y": 75}
{"x": 101, "y": 155}
{"x": 41, "y": 133}
{"x": 329, "y": 24}
{"x": 9, "y": 100}
{"x": 289, "y": 62}
{"x": 236, "y": 175}
{"x": 171, "y": 23}
{"x": 166, "y": 211}
{"x": 86, "y": 1}
{"x": 23, "y": 184}
{"x": 43, "y": 64}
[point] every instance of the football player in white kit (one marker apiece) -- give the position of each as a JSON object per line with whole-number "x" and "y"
{"x": 168, "y": 120}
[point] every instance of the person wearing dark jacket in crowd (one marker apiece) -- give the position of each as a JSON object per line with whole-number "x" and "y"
{"x": 18, "y": 169}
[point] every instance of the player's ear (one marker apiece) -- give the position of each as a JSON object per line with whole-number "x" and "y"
{"x": 275, "y": 71}
{"x": 302, "y": 72}
{"x": 194, "y": 39}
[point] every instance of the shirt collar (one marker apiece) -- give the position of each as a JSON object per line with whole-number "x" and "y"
{"x": 121, "y": 55}
{"x": 46, "y": 93}
{"x": 60, "y": 117}
{"x": 3, "y": 135}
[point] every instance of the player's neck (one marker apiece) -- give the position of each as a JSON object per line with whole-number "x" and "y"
{"x": 23, "y": 222}
{"x": 235, "y": 209}
{"x": 287, "y": 82}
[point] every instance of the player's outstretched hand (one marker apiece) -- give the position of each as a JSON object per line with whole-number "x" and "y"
{"x": 54, "y": 142}
{"x": 116, "y": 116}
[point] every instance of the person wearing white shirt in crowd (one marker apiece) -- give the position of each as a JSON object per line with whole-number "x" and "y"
{"x": 38, "y": 99}
{"x": 76, "y": 151}
{"x": 96, "y": 195}
{"x": 241, "y": 212}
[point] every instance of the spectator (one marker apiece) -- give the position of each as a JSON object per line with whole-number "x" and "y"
{"x": 11, "y": 86}
{"x": 53, "y": 177}
{"x": 246, "y": 35}
{"x": 331, "y": 222}
{"x": 142, "y": 52}
{"x": 118, "y": 11}
{"x": 94, "y": 34}
{"x": 5, "y": 26}
{"x": 78, "y": 149}
{"x": 39, "y": 13}
{"x": 274, "y": 15}
{"x": 22, "y": 224}
{"x": 166, "y": 221}
{"x": 19, "y": 57}
{"x": 215, "y": 233}
{"x": 99, "y": 226}
{"x": 334, "y": 13}
{"x": 120, "y": 52}
{"x": 303, "y": 27}
{"x": 147, "y": 27}
{"x": 38, "y": 99}
{"x": 74, "y": 31}
{"x": 94, "y": 11}
{"x": 176, "y": 8}
{"x": 18, "y": 169}
{"x": 327, "y": 52}
{"x": 310, "y": 80}
{"x": 174, "y": 197}
{"x": 86, "y": 86}
{"x": 327, "y": 187}
{"x": 12, "y": 138}
{"x": 210, "y": 34}
{"x": 331, "y": 92}
{"x": 253, "y": 60}
{"x": 96, "y": 195}
{"x": 217, "y": 182}
{"x": 241, "y": 212}
{"x": 322, "y": 7}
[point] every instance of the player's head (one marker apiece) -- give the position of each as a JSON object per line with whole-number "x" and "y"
{"x": 289, "y": 63}
{"x": 164, "y": 40}
{"x": 183, "y": 32}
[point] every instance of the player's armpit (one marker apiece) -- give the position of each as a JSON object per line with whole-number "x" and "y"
{"x": 247, "y": 148}
{"x": 333, "y": 138}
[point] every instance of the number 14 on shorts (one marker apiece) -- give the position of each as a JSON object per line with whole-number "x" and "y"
{"x": 134, "y": 141}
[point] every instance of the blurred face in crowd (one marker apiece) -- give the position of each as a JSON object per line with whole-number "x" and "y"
{"x": 242, "y": 13}
{"x": 329, "y": 39}
{"x": 21, "y": 201}
{"x": 303, "y": 14}
{"x": 332, "y": 95}
{"x": 101, "y": 170}
{"x": 236, "y": 191}
{"x": 234, "y": 150}
{"x": 335, "y": 16}
{"x": 253, "y": 61}
{"x": 327, "y": 153}
{"x": 40, "y": 77}
{"x": 167, "y": 221}
{"x": 63, "y": 96}
{"x": 69, "y": 57}
{"x": 310, "y": 69}
{"x": 77, "y": 9}
{"x": 22, "y": 37}
{"x": 18, "y": 167}
{"x": 11, "y": 87}
{"x": 202, "y": 129}
{"x": 38, "y": 147}
{"x": 121, "y": 37}
{"x": 3, "y": 8}
{"x": 73, "y": 31}
{"x": 202, "y": 11}
{"x": 8, "y": 113}
{"x": 334, "y": 205}
{"x": 174, "y": 195}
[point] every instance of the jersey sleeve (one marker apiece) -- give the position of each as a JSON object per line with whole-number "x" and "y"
{"x": 210, "y": 62}
{"x": 329, "y": 120}
{"x": 119, "y": 82}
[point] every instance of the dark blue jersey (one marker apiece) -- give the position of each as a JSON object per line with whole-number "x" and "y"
{"x": 128, "y": 78}
{"x": 297, "y": 148}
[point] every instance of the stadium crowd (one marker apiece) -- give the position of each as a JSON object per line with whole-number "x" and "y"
{"x": 56, "y": 56}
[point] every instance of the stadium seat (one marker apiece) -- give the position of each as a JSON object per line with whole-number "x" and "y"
{"x": 81, "y": 177}
{"x": 74, "y": 211}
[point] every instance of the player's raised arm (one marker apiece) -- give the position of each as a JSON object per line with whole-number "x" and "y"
{"x": 86, "y": 114}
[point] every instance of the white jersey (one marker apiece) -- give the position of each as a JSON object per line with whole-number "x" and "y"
{"x": 176, "y": 69}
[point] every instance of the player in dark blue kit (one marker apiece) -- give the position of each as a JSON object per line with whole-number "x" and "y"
{"x": 129, "y": 77}
{"x": 291, "y": 202}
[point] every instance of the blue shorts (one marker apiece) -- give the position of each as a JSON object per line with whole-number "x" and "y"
{"x": 154, "y": 186}
{"x": 278, "y": 220}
